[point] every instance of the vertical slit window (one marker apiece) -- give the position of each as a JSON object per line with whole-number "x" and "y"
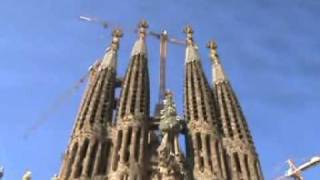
{"x": 227, "y": 118}
{"x": 246, "y": 161}
{"x": 116, "y": 151}
{"x": 127, "y": 154}
{"x": 199, "y": 144}
{"x": 137, "y": 145}
{"x": 92, "y": 159}
{"x": 82, "y": 155}
{"x": 218, "y": 153}
{"x": 104, "y": 154}
{"x": 97, "y": 98}
{"x": 237, "y": 161}
{"x": 227, "y": 163}
{"x": 125, "y": 91}
{"x": 88, "y": 102}
{"x": 72, "y": 158}
{"x": 208, "y": 147}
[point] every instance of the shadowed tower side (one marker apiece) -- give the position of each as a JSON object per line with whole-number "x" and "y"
{"x": 132, "y": 117}
{"x": 90, "y": 144}
{"x": 239, "y": 151}
{"x": 204, "y": 146}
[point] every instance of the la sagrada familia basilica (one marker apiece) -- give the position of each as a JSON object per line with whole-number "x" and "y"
{"x": 116, "y": 138}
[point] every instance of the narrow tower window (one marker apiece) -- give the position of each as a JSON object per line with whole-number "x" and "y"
{"x": 237, "y": 161}
{"x": 208, "y": 147}
{"x": 116, "y": 151}
{"x": 199, "y": 145}
{"x": 127, "y": 151}
{"x": 137, "y": 144}
{"x": 92, "y": 159}
{"x": 104, "y": 154}
{"x": 82, "y": 155}
{"x": 71, "y": 161}
{"x": 246, "y": 161}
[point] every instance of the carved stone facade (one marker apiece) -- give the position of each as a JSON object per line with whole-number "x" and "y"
{"x": 117, "y": 139}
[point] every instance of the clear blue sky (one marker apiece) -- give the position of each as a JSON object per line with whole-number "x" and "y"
{"x": 270, "y": 50}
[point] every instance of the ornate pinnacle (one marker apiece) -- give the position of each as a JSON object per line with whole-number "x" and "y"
{"x": 212, "y": 45}
{"x": 140, "y": 45}
{"x": 27, "y": 175}
{"x": 189, "y": 32}
{"x": 219, "y": 73}
{"x": 116, "y": 35}
{"x": 169, "y": 121}
{"x": 143, "y": 26}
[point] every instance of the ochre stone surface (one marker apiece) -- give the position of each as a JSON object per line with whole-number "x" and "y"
{"x": 117, "y": 139}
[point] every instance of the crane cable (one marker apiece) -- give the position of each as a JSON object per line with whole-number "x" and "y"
{"x": 55, "y": 105}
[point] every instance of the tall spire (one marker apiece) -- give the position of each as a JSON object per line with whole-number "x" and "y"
{"x": 90, "y": 143}
{"x": 239, "y": 151}
{"x": 204, "y": 144}
{"x": 130, "y": 137}
{"x": 134, "y": 98}
{"x": 132, "y": 145}
{"x": 219, "y": 75}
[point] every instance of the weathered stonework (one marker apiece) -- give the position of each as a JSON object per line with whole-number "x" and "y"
{"x": 117, "y": 138}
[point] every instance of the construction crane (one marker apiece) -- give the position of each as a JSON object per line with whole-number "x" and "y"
{"x": 93, "y": 19}
{"x": 164, "y": 39}
{"x": 56, "y": 104}
{"x": 295, "y": 171}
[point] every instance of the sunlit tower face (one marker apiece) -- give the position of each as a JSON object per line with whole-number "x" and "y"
{"x": 118, "y": 138}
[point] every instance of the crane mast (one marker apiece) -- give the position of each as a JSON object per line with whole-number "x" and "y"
{"x": 163, "y": 59}
{"x": 164, "y": 40}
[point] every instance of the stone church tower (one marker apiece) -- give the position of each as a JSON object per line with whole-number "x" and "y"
{"x": 117, "y": 138}
{"x": 239, "y": 151}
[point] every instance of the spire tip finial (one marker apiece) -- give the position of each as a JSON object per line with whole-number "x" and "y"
{"x": 140, "y": 45}
{"x": 189, "y": 32}
{"x": 116, "y": 35}
{"x": 143, "y": 26}
{"x": 219, "y": 75}
{"x": 212, "y": 45}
